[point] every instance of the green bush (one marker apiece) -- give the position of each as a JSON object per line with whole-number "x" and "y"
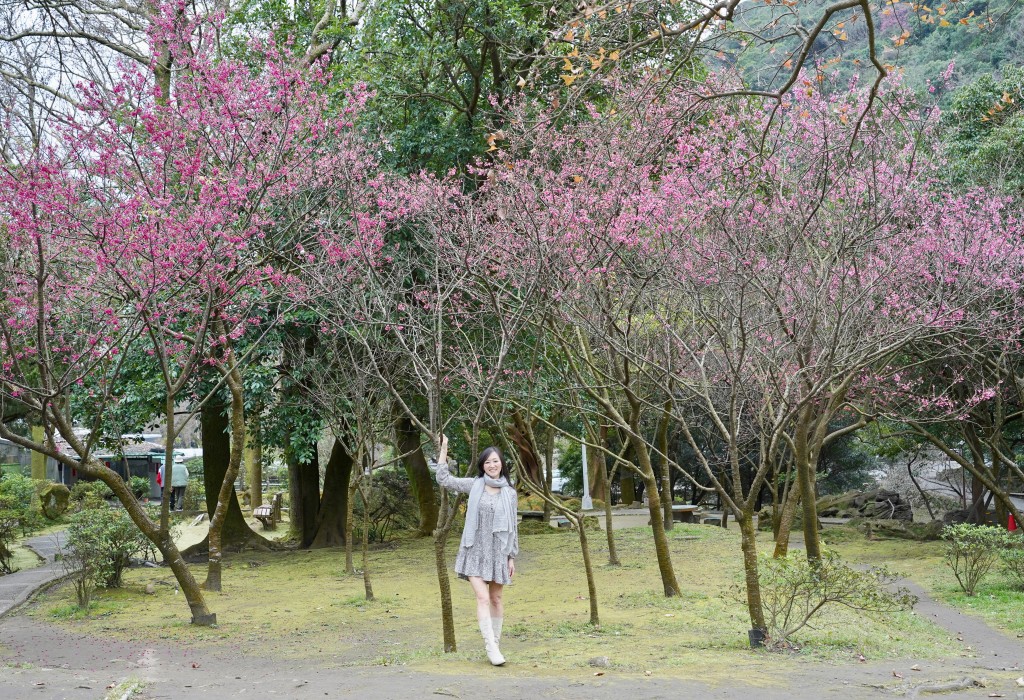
{"x": 90, "y": 494}
{"x": 10, "y": 516}
{"x": 100, "y": 545}
{"x": 195, "y": 495}
{"x": 971, "y": 551}
{"x": 1013, "y": 559}
{"x": 139, "y": 486}
{"x": 793, "y": 590}
{"x": 23, "y": 491}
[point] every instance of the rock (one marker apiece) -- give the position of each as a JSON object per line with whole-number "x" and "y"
{"x": 956, "y": 517}
{"x": 900, "y": 529}
{"x": 54, "y": 499}
{"x": 150, "y": 589}
{"x": 600, "y": 662}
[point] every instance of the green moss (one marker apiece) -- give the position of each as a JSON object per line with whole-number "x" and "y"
{"x": 301, "y": 604}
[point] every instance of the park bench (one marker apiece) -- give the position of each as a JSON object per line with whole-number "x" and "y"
{"x": 269, "y": 515}
{"x": 537, "y": 515}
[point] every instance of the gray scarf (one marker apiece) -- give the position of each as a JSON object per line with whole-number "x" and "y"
{"x": 504, "y": 514}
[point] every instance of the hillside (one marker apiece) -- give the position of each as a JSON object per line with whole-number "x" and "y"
{"x": 919, "y": 40}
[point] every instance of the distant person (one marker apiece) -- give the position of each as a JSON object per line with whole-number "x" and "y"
{"x": 490, "y": 539}
{"x": 179, "y": 482}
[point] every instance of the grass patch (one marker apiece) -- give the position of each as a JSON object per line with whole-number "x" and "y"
{"x": 302, "y": 604}
{"x": 24, "y": 558}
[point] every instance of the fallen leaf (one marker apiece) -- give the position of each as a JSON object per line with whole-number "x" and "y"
{"x": 599, "y": 673}
{"x": 1020, "y": 682}
{"x": 897, "y": 674}
{"x": 915, "y": 667}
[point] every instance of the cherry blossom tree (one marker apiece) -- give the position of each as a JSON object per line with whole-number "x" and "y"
{"x": 151, "y": 221}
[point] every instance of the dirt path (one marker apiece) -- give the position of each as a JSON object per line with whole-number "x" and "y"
{"x": 41, "y": 660}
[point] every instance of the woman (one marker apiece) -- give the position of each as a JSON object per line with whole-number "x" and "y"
{"x": 490, "y": 540}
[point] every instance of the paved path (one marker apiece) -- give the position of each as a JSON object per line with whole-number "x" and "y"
{"x": 18, "y": 587}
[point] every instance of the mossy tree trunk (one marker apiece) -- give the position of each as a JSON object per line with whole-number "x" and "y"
{"x": 332, "y": 517}
{"x": 785, "y": 525}
{"x": 254, "y": 463}
{"x": 304, "y": 493}
{"x": 216, "y": 440}
{"x": 233, "y": 380}
{"x": 407, "y": 438}
{"x": 748, "y": 543}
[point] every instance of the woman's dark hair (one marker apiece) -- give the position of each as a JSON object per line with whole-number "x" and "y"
{"x": 483, "y": 458}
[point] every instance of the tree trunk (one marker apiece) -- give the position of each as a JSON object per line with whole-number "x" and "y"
{"x": 350, "y": 526}
{"x": 661, "y": 548}
{"x": 805, "y": 479}
{"x": 613, "y": 556}
{"x": 589, "y": 568}
{"x": 38, "y": 458}
{"x": 627, "y": 492}
{"x": 549, "y": 469}
{"x": 748, "y": 543}
{"x": 786, "y": 522}
{"x": 161, "y": 539}
{"x": 214, "y": 423}
{"x": 407, "y": 438}
{"x": 367, "y": 586}
{"x": 233, "y": 379}
{"x": 666, "y": 474}
{"x": 304, "y": 490}
{"x": 332, "y": 517}
{"x": 255, "y": 464}
{"x": 444, "y": 583}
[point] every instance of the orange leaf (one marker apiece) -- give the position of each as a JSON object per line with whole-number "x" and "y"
{"x": 569, "y": 79}
{"x": 613, "y": 56}
{"x": 944, "y": 23}
{"x": 788, "y": 64}
{"x": 569, "y": 35}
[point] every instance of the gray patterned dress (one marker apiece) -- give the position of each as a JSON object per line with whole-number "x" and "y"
{"x": 484, "y": 557}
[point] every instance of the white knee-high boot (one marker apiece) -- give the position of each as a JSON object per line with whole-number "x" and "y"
{"x": 496, "y": 626}
{"x": 493, "y": 653}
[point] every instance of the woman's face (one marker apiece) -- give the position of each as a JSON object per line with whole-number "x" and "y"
{"x": 492, "y": 465}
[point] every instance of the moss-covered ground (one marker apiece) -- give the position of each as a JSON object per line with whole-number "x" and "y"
{"x": 302, "y": 604}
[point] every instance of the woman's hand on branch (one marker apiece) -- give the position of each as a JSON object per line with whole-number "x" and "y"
{"x": 442, "y": 450}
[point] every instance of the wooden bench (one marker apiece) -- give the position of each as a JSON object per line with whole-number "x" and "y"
{"x": 537, "y": 515}
{"x": 269, "y": 515}
{"x": 265, "y": 514}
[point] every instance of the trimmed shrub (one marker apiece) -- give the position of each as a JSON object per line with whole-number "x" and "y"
{"x": 1013, "y": 559}
{"x": 972, "y": 551}
{"x": 100, "y": 545}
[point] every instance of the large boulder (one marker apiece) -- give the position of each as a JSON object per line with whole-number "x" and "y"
{"x": 899, "y": 529}
{"x": 878, "y": 504}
